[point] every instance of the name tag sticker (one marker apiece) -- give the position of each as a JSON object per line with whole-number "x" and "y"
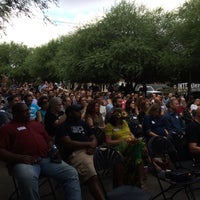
{"x": 21, "y": 128}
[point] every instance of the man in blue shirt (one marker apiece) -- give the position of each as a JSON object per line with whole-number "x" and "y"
{"x": 176, "y": 129}
{"x": 33, "y": 108}
{"x": 174, "y": 123}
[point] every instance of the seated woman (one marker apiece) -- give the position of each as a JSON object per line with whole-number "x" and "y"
{"x": 94, "y": 120}
{"x": 119, "y": 136}
{"x": 54, "y": 116}
{"x": 132, "y": 119}
{"x": 43, "y": 102}
{"x": 154, "y": 123}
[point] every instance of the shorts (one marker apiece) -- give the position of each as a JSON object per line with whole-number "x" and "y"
{"x": 83, "y": 163}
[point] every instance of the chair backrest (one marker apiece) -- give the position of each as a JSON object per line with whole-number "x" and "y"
{"x": 105, "y": 158}
{"x": 159, "y": 146}
{"x": 180, "y": 142}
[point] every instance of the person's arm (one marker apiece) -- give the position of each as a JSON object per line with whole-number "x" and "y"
{"x": 108, "y": 136}
{"x": 39, "y": 116}
{"x": 147, "y": 127}
{"x": 16, "y": 158}
{"x": 112, "y": 142}
{"x": 151, "y": 134}
{"x": 4, "y": 117}
{"x": 76, "y": 145}
{"x": 59, "y": 121}
{"x": 194, "y": 148}
{"x": 193, "y": 138}
{"x": 89, "y": 121}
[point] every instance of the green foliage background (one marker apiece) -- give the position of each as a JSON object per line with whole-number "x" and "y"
{"x": 130, "y": 43}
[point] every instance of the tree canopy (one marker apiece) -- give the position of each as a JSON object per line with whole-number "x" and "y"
{"x": 18, "y": 7}
{"x": 130, "y": 43}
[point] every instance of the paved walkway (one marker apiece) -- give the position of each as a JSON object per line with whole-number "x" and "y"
{"x": 7, "y": 187}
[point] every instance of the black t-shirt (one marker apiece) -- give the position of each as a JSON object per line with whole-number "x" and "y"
{"x": 78, "y": 131}
{"x": 193, "y": 135}
{"x": 49, "y": 121}
{"x": 193, "y": 132}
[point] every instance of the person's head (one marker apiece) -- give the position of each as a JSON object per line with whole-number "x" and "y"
{"x": 170, "y": 95}
{"x": 117, "y": 102}
{"x": 55, "y": 105}
{"x": 143, "y": 104}
{"x": 197, "y": 102}
{"x": 93, "y": 108}
{"x": 66, "y": 101}
{"x": 130, "y": 105}
{"x": 83, "y": 101}
{"x": 196, "y": 114}
{"x": 12, "y": 100}
{"x": 20, "y": 112}
{"x": 73, "y": 112}
{"x": 28, "y": 99}
{"x": 117, "y": 116}
{"x": 43, "y": 102}
{"x": 173, "y": 104}
{"x": 182, "y": 102}
{"x": 154, "y": 110}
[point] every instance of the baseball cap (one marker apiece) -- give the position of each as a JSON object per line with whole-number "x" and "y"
{"x": 74, "y": 107}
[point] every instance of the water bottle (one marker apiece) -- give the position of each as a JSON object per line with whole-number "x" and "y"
{"x": 54, "y": 156}
{"x": 53, "y": 150}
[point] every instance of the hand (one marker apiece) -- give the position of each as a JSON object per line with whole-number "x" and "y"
{"x": 93, "y": 144}
{"x": 131, "y": 140}
{"x": 27, "y": 159}
{"x": 54, "y": 154}
{"x": 90, "y": 151}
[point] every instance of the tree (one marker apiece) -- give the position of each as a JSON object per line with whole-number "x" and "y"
{"x": 41, "y": 62}
{"x": 126, "y": 44}
{"x": 187, "y": 33}
{"x": 18, "y": 7}
{"x": 12, "y": 58}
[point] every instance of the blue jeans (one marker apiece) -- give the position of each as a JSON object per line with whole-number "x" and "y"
{"x": 27, "y": 178}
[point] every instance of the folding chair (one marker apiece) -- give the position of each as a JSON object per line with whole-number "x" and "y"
{"x": 105, "y": 159}
{"x": 42, "y": 181}
{"x": 177, "y": 178}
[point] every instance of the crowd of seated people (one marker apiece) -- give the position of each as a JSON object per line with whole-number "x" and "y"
{"x": 79, "y": 120}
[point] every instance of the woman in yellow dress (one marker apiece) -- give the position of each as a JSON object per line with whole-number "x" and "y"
{"x": 119, "y": 136}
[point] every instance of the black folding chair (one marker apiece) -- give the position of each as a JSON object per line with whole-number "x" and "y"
{"x": 176, "y": 176}
{"x": 42, "y": 182}
{"x": 105, "y": 159}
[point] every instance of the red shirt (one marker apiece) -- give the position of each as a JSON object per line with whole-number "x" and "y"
{"x": 25, "y": 138}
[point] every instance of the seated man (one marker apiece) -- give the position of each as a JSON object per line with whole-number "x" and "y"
{"x": 174, "y": 124}
{"x": 6, "y": 111}
{"x": 25, "y": 146}
{"x": 176, "y": 129}
{"x": 193, "y": 135}
{"x": 77, "y": 142}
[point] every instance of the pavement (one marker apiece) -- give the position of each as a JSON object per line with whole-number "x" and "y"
{"x": 151, "y": 185}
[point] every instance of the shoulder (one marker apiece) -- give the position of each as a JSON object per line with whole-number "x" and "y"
{"x": 33, "y": 105}
{"x": 10, "y": 127}
{"x": 49, "y": 116}
{"x": 124, "y": 122}
{"x": 34, "y": 123}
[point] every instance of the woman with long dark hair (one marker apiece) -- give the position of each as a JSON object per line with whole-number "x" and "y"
{"x": 132, "y": 119}
{"x": 94, "y": 119}
{"x": 154, "y": 123}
